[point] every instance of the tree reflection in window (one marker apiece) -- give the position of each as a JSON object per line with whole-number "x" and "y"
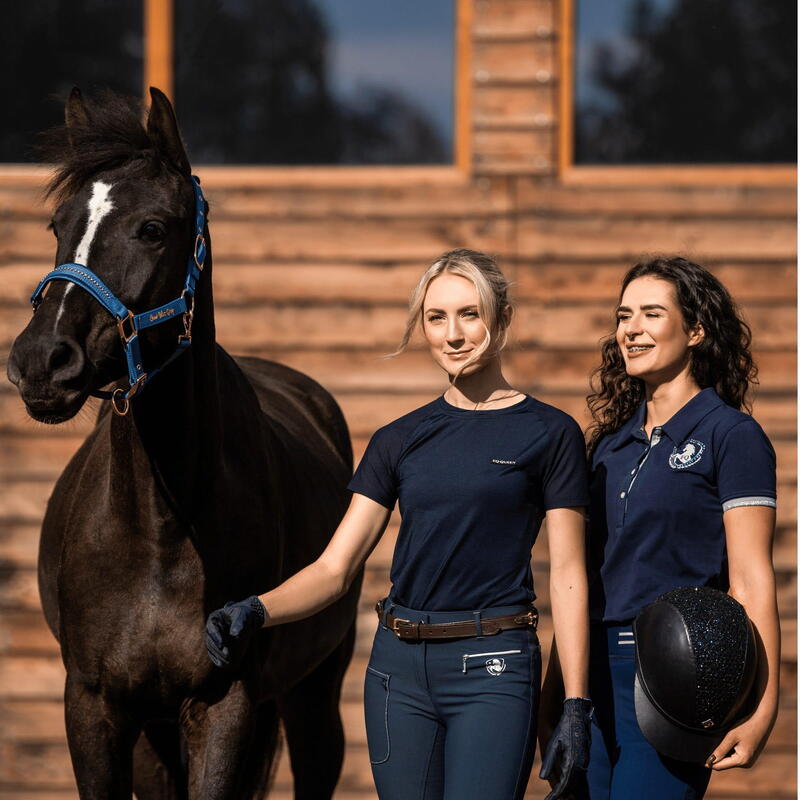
{"x": 685, "y": 81}
{"x": 325, "y": 82}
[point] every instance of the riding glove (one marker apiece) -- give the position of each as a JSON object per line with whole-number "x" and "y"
{"x": 229, "y": 629}
{"x": 567, "y": 754}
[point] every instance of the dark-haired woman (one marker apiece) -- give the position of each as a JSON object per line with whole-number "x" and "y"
{"x": 683, "y": 494}
{"x": 452, "y": 686}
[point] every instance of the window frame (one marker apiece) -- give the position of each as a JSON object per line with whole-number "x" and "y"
{"x": 634, "y": 174}
{"x": 157, "y": 71}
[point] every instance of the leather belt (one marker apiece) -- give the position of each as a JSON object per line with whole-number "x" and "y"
{"x": 415, "y": 631}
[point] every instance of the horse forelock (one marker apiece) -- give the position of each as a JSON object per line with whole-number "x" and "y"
{"x": 111, "y": 136}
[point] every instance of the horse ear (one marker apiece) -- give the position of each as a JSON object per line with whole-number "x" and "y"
{"x": 75, "y": 113}
{"x": 162, "y": 128}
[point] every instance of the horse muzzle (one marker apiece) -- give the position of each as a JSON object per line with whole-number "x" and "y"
{"x": 53, "y": 376}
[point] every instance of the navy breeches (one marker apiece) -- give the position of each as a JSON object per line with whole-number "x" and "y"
{"x": 452, "y": 719}
{"x": 623, "y": 764}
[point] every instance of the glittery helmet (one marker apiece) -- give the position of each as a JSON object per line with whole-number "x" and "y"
{"x": 695, "y": 668}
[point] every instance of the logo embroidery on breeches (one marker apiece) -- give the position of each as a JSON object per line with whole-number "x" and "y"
{"x": 495, "y": 666}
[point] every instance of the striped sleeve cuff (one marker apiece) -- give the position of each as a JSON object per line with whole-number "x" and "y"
{"x": 740, "y": 502}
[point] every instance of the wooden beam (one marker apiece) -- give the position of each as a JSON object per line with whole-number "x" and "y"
{"x": 158, "y": 47}
{"x": 462, "y": 86}
{"x": 680, "y": 175}
{"x": 566, "y": 52}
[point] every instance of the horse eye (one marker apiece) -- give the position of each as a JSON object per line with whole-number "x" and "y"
{"x": 153, "y": 231}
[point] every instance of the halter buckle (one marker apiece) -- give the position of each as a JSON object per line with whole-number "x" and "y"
{"x": 188, "y": 318}
{"x": 199, "y": 242}
{"x": 122, "y": 409}
{"x": 126, "y": 337}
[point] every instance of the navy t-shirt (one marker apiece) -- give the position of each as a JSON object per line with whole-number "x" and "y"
{"x": 655, "y": 518}
{"x": 473, "y": 488}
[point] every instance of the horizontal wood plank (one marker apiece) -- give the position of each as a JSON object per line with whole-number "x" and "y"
{"x": 323, "y": 239}
{"x": 338, "y": 325}
{"x": 628, "y": 240}
{"x": 514, "y": 18}
{"x": 503, "y": 61}
{"x": 553, "y": 198}
{"x": 242, "y": 284}
{"x": 530, "y": 106}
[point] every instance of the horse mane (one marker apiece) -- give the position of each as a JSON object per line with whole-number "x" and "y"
{"x": 111, "y": 135}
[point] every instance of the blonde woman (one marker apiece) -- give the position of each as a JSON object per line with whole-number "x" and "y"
{"x": 452, "y": 687}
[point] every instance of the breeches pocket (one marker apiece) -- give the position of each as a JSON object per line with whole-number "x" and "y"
{"x": 376, "y": 714}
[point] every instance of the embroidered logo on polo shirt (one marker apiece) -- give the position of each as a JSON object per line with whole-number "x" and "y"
{"x": 496, "y": 666}
{"x": 502, "y": 461}
{"x": 689, "y": 454}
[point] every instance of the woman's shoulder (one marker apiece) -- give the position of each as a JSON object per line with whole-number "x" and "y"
{"x": 557, "y": 420}
{"x": 728, "y": 422}
{"x": 398, "y": 429}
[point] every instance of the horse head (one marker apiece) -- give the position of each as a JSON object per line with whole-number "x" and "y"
{"x": 125, "y": 211}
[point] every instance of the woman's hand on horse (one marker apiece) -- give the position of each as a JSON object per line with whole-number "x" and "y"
{"x": 228, "y": 630}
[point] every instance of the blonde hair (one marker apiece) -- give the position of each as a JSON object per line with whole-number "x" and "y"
{"x": 494, "y": 308}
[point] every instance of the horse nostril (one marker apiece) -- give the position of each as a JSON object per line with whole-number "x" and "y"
{"x": 13, "y": 370}
{"x": 65, "y": 360}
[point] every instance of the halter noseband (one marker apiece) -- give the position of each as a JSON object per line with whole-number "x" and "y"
{"x": 128, "y": 323}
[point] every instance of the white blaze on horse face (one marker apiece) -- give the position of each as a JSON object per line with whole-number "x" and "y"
{"x": 99, "y": 206}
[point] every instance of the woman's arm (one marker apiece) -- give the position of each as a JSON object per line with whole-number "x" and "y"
{"x": 311, "y": 589}
{"x": 569, "y": 596}
{"x": 749, "y": 533}
{"x": 567, "y": 753}
{"x": 329, "y": 577}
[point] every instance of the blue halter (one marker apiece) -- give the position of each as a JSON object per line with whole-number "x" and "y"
{"x": 128, "y": 323}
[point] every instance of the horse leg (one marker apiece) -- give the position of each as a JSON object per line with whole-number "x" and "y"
{"x": 158, "y": 771}
{"x": 262, "y": 755}
{"x": 100, "y": 737}
{"x": 230, "y": 743}
{"x": 314, "y": 733}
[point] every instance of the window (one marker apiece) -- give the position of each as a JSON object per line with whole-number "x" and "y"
{"x": 315, "y": 81}
{"x": 49, "y": 46}
{"x": 262, "y": 82}
{"x": 684, "y": 82}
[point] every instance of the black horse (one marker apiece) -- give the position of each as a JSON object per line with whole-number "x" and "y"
{"x": 225, "y": 476}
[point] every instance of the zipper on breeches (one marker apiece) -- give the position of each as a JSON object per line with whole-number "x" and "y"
{"x": 466, "y": 656}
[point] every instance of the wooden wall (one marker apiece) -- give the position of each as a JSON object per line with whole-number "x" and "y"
{"x": 313, "y": 267}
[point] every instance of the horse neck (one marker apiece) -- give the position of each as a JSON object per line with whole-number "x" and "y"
{"x": 170, "y": 441}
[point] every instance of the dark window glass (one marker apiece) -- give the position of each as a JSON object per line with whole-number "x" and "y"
{"x": 49, "y": 46}
{"x": 685, "y": 81}
{"x": 315, "y": 81}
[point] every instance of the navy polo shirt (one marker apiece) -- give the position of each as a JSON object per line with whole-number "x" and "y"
{"x": 473, "y": 488}
{"x": 655, "y": 518}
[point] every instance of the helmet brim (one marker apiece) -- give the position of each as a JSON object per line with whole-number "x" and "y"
{"x": 668, "y": 738}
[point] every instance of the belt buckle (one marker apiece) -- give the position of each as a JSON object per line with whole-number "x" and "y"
{"x": 395, "y": 626}
{"x": 529, "y": 618}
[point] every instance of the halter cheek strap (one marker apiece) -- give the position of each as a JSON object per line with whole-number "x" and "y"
{"x": 128, "y": 323}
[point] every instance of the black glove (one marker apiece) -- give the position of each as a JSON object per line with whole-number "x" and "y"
{"x": 228, "y": 630}
{"x": 567, "y": 754}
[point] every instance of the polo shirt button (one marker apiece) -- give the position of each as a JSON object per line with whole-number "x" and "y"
{"x": 621, "y": 495}
{"x": 633, "y": 472}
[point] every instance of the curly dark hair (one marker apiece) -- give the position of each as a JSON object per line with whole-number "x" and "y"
{"x": 722, "y": 359}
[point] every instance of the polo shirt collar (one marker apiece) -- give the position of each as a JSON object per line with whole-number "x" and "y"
{"x": 679, "y": 425}
{"x": 682, "y": 423}
{"x": 632, "y": 429}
